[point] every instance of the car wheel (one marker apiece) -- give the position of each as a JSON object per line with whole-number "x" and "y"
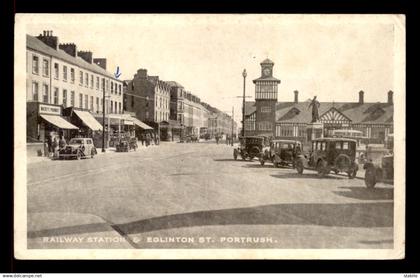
{"x": 299, "y": 166}
{"x": 370, "y": 177}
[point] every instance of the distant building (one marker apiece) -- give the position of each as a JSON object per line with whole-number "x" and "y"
{"x": 288, "y": 120}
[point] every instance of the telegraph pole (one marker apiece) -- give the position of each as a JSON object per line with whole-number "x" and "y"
{"x": 243, "y": 105}
{"x": 103, "y": 115}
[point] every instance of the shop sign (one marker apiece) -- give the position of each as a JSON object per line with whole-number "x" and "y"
{"x": 49, "y": 109}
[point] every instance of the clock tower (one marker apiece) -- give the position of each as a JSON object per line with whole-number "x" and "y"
{"x": 266, "y": 88}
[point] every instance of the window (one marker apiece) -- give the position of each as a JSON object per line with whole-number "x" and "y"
{"x": 115, "y": 105}
{"x": 65, "y": 73}
{"x": 97, "y": 83}
{"x": 80, "y": 100}
{"x": 97, "y": 105}
{"x": 119, "y": 89}
{"x": 64, "y": 98}
{"x": 81, "y": 78}
{"x": 72, "y": 75}
{"x": 301, "y": 131}
{"x": 56, "y": 71}
{"x": 86, "y": 102}
{"x": 286, "y": 131}
{"x": 86, "y": 79}
{"x": 55, "y": 95}
{"x": 132, "y": 101}
{"x": 265, "y": 109}
{"x": 119, "y": 107}
{"x": 72, "y": 98}
{"x": 35, "y": 65}
{"x": 91, "y": 81}
{"x": 323, "y": 146}
{"x": 45, "y": 94}
{"x": 313, "y": 145}
{"x": 91, "y": 103}
{"x": 107, "y": 85}
{"x": 112, "y": 106}
{"x": 45, "y": 67}
{"x": 35, "y": 91}
{"x": 112, "y": 87}
{"x": 338, "y": 145}
{"x": 345, "y": 145}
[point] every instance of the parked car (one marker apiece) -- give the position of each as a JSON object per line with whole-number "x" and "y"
{"x": 377, "y": 172}
{"x": 191, "y": 138}
{"x": 281, "y": 152}
{"x": 78, "y": 148}
{"x": 330, "y": 154}
{"x": 250, "y": 147}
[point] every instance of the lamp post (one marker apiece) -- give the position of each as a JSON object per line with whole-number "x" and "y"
{"x": 243, "y": 105}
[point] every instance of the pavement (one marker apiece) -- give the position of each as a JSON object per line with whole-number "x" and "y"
{"x": 194, "y": 195}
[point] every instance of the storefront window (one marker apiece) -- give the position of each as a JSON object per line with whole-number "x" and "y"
{"x": 35, "y": 64}
{"x": 45, "y": 96}
{"x": 55, "y": 95}
{"x": 65, "y": 98}
{"x": 35, "y": 91}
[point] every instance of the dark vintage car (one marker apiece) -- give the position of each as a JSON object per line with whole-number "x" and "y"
{"x": 379, "y": 172}
{"x": 78, "y": 148}
{"x": 126, "y": 144}
{"x": 250, "y": 147}
{"x": 330, "y": 154}
{"x": 281, "y": 152}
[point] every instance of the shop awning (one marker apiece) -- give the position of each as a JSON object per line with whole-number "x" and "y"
{"x": 58, "y": 122}
{"x": 140, "y": 123}
{"x": 88, "y": 120}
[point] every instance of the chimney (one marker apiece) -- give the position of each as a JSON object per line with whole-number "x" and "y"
{"x": 361, "y": 97}
{"x": 48, "y": 38}
{"x": 85, "y": 55}
{"x": 142, "y": 73}
{"x": 296, "y": 96}
{"x": 390, "y": 97}
{"x": 69, "y": 48}
{"x": 100, "y": 62}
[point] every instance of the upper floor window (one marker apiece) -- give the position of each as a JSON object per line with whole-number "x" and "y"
{"x": 45, "y": 67}
{"x": 56, "y": 71}
{"x": 72, "y": 98}
{"x": 55, "y": 95}
{"x": 72, "y": 75}
{"x": 112, "y": 87}
{"x": 81, "y": 77}
{"x": 45, "y": 93}
{"x": 65, "y": 98}
{"x": 97, "y": 82}
{"x": 91, "y": 81}
{"x": 86, "y": 79}
{"x": 65, "y": 73}
{"x": 119, "y": 89}
{"x": 35, "y": 91}
{"x": 80, "y": 100}
{"x": 35, "y": 64}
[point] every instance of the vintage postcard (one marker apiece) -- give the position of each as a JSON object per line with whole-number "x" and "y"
{"x": 209, "y": 136}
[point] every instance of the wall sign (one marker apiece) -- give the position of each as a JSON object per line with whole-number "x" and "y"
{"x": 49, "y": 109}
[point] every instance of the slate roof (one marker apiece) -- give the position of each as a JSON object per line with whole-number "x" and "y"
{"x": 367, "y": 113}
{"x": 174, "y": 84}
{"x": 37, "y": 45}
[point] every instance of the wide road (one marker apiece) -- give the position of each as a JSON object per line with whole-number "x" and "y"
{"x": 196, "y": 196}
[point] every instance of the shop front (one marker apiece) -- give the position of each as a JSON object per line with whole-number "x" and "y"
{"x": 44, "y": 124}
{"x": 116, "y": 127}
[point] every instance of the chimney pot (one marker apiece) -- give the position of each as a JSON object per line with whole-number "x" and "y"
{"x": 361, "y": 97}
{"x": 390, "y": 97}
{"x": 296, "y": 96}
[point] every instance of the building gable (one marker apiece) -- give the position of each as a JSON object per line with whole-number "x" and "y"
{"x": 333, "y": 116}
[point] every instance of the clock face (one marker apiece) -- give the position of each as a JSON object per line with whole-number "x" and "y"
{"x": 267, "y": 72}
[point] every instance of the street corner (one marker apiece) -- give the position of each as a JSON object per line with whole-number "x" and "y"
{"x": 56, "y": 230}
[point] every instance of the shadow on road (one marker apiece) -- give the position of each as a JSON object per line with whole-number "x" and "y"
{"x": 366, "y": 215}
{"x": 307, "y": 176}
{"x": 363, "y": 193}
{"x": 226, "y": 159}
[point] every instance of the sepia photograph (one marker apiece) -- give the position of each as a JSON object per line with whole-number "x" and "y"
{"x": 209, "y": 136}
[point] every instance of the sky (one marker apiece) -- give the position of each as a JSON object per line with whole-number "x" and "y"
{"x": 333, "y": 57}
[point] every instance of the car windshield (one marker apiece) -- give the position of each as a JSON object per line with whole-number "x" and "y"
{"x": 76, "y": 141}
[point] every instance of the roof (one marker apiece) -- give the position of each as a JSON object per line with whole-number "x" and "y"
{"x": 366, "y": 113}
{"x": 174, "y": 84}
{"x": 335, "y": 139}
{"x": 269, "y": 78}
{"x": 37, "y": 45}
{"x": 267, "y": 61}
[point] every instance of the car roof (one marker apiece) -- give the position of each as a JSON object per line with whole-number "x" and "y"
{"x": 285, "y": 141}
{"x": 334, "y": 139}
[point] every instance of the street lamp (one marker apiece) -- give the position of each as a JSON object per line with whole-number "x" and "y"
{"x": 243, "y": 105}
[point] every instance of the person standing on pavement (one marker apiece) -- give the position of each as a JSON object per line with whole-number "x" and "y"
{"x": 62, "y": 143}
{"x": 147, "y": 139}
{"x": 55, "y": 146}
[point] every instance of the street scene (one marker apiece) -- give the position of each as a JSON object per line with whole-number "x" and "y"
{"x": 240, "y": 132}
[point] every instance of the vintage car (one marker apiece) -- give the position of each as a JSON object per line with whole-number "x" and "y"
{"x": 78, "y": 148}
{"x": 379, "y": 166}
{"x": 281, "y": 152}
{"x": 250, "y": 147}
{"x": 126, "y": 144}
{"x": 330, "y": 154}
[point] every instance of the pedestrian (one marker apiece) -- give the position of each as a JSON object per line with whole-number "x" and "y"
{"x": 155, "y": 138}
{"x": 55, "y": 146}
{"x": 62, "y": 143}
{"x": 158, "y": 139}
{"x": 217, "y": 139}
{"x": 142, "y": 139}
{"x": 147, "y": 139}
{"x": 49, "y": 143}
